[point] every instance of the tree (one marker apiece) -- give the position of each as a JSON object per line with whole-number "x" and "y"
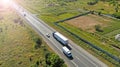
{"x": 115, "y": 4}
{"x": 54, "y": 60}
{"x": 38, "y": 43}
{"x": 99, "y": 13}
{"x": 117, "y": 15}
{"x": 98, "y": 28}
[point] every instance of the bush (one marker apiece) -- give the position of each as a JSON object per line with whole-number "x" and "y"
{"x": 34, "y": 65}
{"x": 37, "y": 63}
{"x": 1, "y": 29}
{"x": 67, "y": 0}
{"x": 117, "y": 15}
{"x": 98, "y": 28}
{"x": 16, "y": 20}
{"x": 93, "y": 3}
{"x": 105, "y": 0}
{"x": 54, "y": 60}
{"x": 38, "y": 43}
{"x": 99, "y": 13}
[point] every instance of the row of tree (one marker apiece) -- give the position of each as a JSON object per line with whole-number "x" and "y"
{"x": 116, "y": 4}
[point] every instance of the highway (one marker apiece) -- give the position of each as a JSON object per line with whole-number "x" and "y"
{"x": 81, "y": 58}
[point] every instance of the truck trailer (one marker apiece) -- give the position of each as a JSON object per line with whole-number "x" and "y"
{"x": 60, "y": 38}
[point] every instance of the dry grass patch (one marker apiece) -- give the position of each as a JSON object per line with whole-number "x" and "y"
{"x": 89, "y": 22}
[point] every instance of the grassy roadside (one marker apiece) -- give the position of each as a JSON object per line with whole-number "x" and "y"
{"x": 20, "y": 46}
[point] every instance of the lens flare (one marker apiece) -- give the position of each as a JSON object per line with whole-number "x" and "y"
{"x": 5, "y": 3}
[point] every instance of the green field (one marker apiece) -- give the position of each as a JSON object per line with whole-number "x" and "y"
{"x": 53, "y": 10}
{"x": 20, "y": 46}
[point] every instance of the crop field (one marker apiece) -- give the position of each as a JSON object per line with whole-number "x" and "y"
{"x": 85, "y": 26}
{"x": 20, "y": 46}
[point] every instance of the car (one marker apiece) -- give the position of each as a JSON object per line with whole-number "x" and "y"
{"x": 24, "y": 14}
{"x": 48, "y": 35}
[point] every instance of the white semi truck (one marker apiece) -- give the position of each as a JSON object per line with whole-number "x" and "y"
{"x": 60, "y": 38}
{"x": 66, "y": 51}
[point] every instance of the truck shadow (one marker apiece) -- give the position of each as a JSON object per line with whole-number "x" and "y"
{"x": 70, "y": 58}
{"x": 68, "y": 47}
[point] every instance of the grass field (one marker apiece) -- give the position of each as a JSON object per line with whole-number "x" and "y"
{"x": 52, "y": 10}
{"x": 103, "y": 7}
{"x": 18, "y": 42}
{"x": 88, "y": 22}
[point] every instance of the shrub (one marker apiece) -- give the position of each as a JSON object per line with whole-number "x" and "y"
{"x": 34, "y": 65}
{"x": 1, "y": 29}
{"x": 93, "y": 3}
{"x": 37, "y": 62}
{"x": 99, "y": 13}
{"x": 38, "y": 43}
{"x": 105, "y": 0}
{"x": 16, "y": 20}
{"x": 54, "y": 60}
{"x": 117, "y": 15}
{"x": 98, "y": 28}
{"x": 30, "y": 59}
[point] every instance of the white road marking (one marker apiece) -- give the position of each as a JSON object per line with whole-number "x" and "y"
{"x": 86, "y": 58}
{"x": 74, "y": 64}
{"x": 81, "y": 61}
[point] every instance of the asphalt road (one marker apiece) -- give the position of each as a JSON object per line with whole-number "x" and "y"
{"x": 81, "y": 58}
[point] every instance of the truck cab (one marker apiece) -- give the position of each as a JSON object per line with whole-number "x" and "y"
{"x": 67, "y": 52}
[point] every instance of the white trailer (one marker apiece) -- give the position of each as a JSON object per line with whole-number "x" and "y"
{"x": 66, "y": 51}
{"x": 60, "y": 38}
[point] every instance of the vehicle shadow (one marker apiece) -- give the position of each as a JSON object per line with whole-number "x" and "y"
{"x": 68, "y": 47}
{"x": 70, "y": 58}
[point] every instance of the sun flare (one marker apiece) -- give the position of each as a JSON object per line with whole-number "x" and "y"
{"x": 5, "y": 3}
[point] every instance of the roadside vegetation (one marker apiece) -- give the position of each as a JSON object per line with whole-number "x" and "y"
{"x": 95, "y": 28}
{"x": 20, "y": 46}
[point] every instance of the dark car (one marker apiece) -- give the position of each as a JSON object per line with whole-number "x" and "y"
{"x": 48, "y": 35}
